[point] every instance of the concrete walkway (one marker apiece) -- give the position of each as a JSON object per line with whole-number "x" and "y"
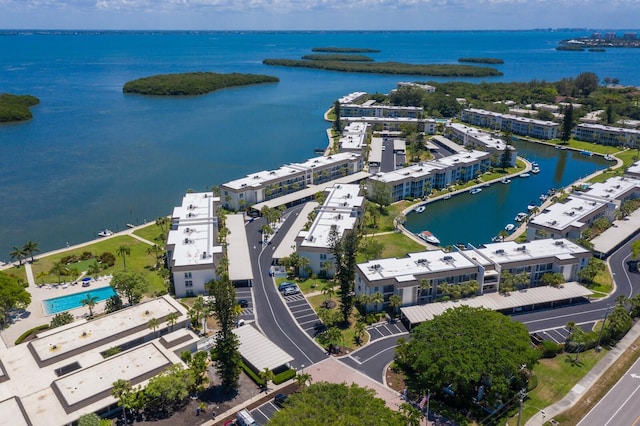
{"x": 587, "y": 381}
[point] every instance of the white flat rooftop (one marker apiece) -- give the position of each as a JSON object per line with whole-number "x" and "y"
{"x": 12, "y": 413}
{"x": 634, "y": 168}
{"x": 510, "y": 251}
{"x": 415, "y": 264}
{"x": 495, "y": 301}
{"x": 340, "y": 209}
{"x": 562, "y": 215}
{"x": 609, "y": 239}
{"x": 259, "y": 351}
{"x": 238, "y": 249}
{"x": 310, "y": 191}
{"x": 613, "y": 188}
{"x": 417, "y": 171}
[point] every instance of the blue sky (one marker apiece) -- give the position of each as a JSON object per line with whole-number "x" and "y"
{"x": 318, "y": 14}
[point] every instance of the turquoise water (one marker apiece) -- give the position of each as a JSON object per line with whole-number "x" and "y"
{"x": 72, "y": 301}
{"x": 467, "y": 218}
{"x": 94, "y": 158}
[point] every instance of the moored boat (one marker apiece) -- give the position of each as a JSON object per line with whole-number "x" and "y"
{"x": 446, "y": 197}
{"x": 520, "y": 217}
{"x": 429, "y": 237}
{"x": 475, "y": 190}
{"x": 535, "y": 170}
{"x": 525, "y": 175}
{"x": 506, "y": 181}
{"x": 510, "y": 227}
{"x": 105, "y": 233}
{"x": 420, "y": 209}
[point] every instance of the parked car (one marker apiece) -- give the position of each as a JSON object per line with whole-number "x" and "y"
{"x": 291, "y": 290}
{"x": 280, "y": 399}
{"x": 286, "y": 284}
{"x": 244, "y": 303}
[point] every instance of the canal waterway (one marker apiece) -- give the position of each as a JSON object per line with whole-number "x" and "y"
{"x": 475, "y": 219}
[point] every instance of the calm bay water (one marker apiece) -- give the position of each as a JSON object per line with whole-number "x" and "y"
{"x": 93, "y": 157}
{"x": 467, "y": 218}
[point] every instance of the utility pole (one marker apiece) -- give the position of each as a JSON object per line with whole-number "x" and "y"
{"x": 521, "y": 396}
{"x": 604, "y": 321}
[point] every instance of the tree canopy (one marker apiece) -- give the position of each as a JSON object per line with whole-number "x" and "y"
{"x": 336, "y": 404}
{"x": 195, "y": 83}
{"x": 131, "y": 285}
{"x": 464, "y": 348}
{"x": 12, "y": 295}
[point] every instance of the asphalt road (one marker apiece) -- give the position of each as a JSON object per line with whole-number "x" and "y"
{"x": 620, "y": 405}
{"x": 271, "y": 314}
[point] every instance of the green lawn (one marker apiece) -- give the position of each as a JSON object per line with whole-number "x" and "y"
{"x": 556, "y": 377}
{"x": 384, "y": 220}
{"x": 628, "y": 157}
{"x": 152, "y": 232}
{"x": 138, "y": 260}
{"x": 588, "y": 146}
{"x": 395, "y": 245}
{"x": 306, "y": 286}
{"x": 348, "y": 333}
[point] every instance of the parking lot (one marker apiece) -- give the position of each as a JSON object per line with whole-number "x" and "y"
{"x": 264, "y": 412}
{"x": 244, "y": 293}
{"x": 386, "y": 329}
{"x": 304, "y": 314}
{"x": 561, "y": 334}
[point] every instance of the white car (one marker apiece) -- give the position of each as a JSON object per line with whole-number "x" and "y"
{"x": 291, "y": 290}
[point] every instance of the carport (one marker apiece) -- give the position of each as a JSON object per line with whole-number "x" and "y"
{"x": 259, "y": 352}
{"x": 513, "y": 302}
{"x": 240, "y": 270}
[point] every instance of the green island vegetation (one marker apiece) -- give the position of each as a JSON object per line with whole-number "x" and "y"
{"x": 439, "y": 70}
{"x": 338, "y": 57}
{"x": 332, "y": 49}
{"x": 195, "y": 83}
{"x": 482, "y": 60}
{"x": 16, "y": 107}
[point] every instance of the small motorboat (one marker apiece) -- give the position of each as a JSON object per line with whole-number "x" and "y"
{"x": 532, "y": 207}
{"x": 446, "y": 197}
{"x": 535, "y": 170}
{"x": 506, "y": 181}
{"x": 420, "y": 209}
{"x": 543, "y": 197}
{"x": 520, "y": 217}
{"x": 429, "y": 237}
{"x": 105, "y": 233}
{"x": 475, "y": 191}
{"x": 525, "y": 175}
{"x": 510, "y": 227}
{"x": 587, "y": 153}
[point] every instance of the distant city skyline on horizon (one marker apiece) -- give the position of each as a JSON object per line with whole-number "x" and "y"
{"x": 310, "y": 15}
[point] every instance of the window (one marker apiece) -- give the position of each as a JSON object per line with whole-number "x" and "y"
{"x": 323, "y": 256}
{"x": 188, "y": 283}
{"x": 187, "y": 274}
{"x": 189, "y": 293}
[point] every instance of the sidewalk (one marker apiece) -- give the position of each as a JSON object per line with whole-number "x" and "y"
{"x": 587, "y": 381}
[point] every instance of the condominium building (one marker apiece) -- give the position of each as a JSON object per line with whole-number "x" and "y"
{"x": 67, "y": 372}
{"x": 342, "y": 211}
{"x": 474, "y": 138}
{"x": 372, "y": 109}
{"x": 352, "y": 97}
{"x": 427, "y": 88}
{"x": 417, "y": 277}
{"x": 633, "y": 171}
{"x": 607, "y": 135}
{"x": 354, "y": 137}
{"x": 418, "y": 180}
{"x": 616, "y": 190}
{"x": 569, "y": 218}
{"x": 270, "y": 184}
{"x": 523, "y": 126}
{"x": 395, "y": 124}
{"x": 193, "y": 249}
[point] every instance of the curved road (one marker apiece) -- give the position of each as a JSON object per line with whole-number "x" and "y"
{"x": 275, "y": 321}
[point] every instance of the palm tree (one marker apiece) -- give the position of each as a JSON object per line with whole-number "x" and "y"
{"x": 172, "y": 318}
{"x": 17, "y": 253}
{"x": 359, "y": 330}
{"x": 94, "y": 268}
{"x": 58, "y": 269}
{"x": 302, "y": 380}
{"x": 395, "y": 302}
{"x": 30, "y": 247}
{"x": 89, "y": 301}
{"x": 303, "y": 264}
{"x": 162, "y": 221}
{"x": 153, "y": 324}
{"x": 42, "y": 275}
{"x": 123, "y": 251}
{"x": 329, "y": 290}
{"x": 376, "y": 298}
{"x": 121, "y": 390}
{"x": 266, "y": 375}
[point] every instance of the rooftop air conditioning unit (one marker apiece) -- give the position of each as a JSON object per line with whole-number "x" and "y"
{"x": 204, "y": 255}
{"x": 186, "y": 241}
{"x": 500, "y": 251}
{"x": 559, "y": 243}
{"x": 447, "y": 258}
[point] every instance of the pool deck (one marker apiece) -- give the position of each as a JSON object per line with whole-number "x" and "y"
{"x": 34, "y": 314}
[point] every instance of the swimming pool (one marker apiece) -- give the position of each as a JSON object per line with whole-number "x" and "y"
{"x": 72, "y": 301}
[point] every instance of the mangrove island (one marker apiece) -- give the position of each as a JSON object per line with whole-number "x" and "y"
{"x": 196, "y": 83}
{"x": 16, "y": 107}
{"x": 482, "y": 60}
{"x": 344, "y": 50}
